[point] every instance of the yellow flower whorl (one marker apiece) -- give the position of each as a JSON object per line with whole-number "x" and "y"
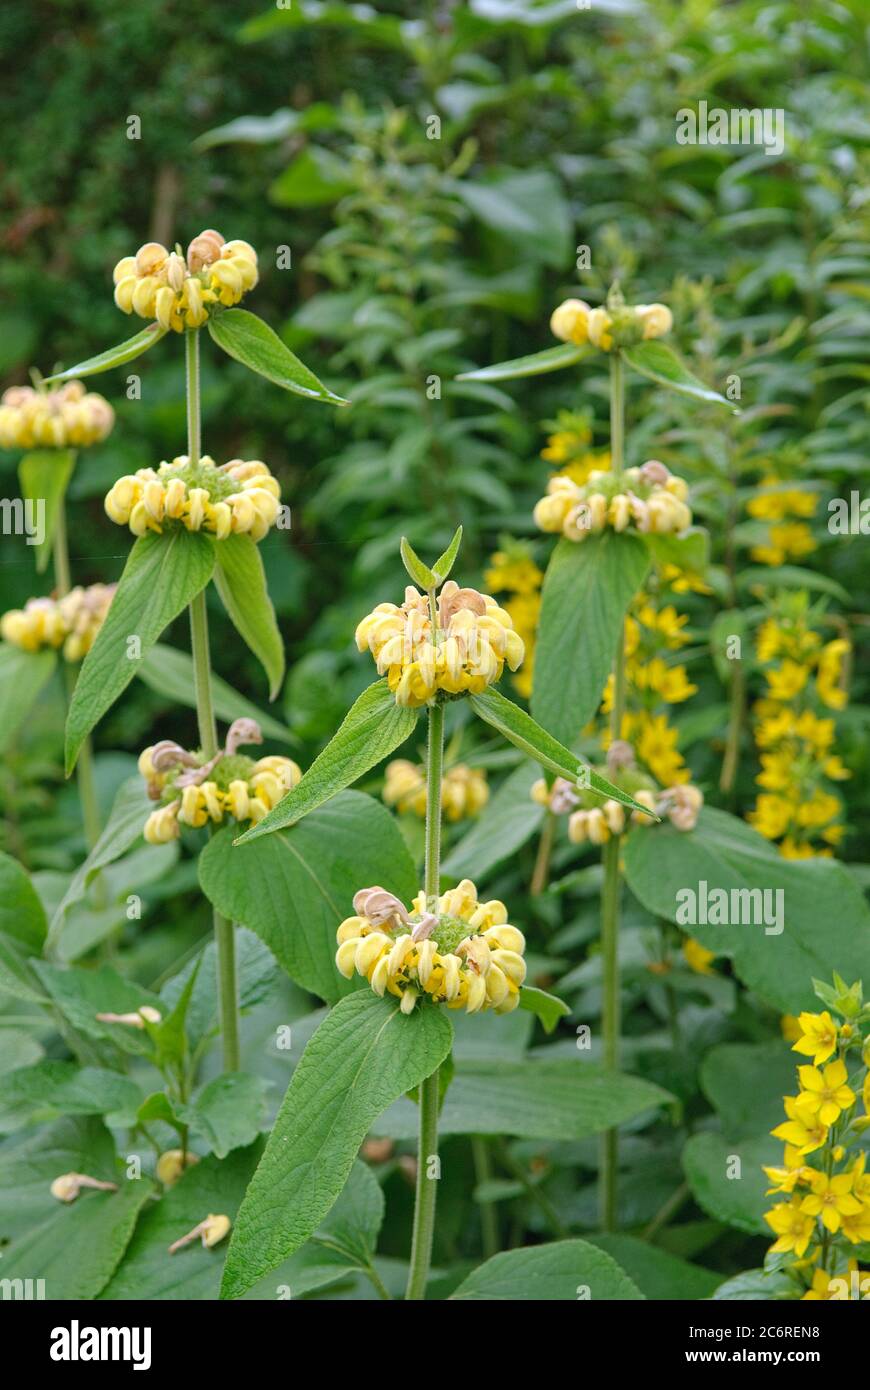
{"x": 71, "y": 622}
{"x": 178, "y": 293}
{"x": 239, "y": 496}
{"x": 646, "y": 499}
{"x": 464, "y": 790}
{"x": 244, "y": 798}
{"x": 465, "y": 955}
{"x": 69, "y": 417}
{"x": 574, "y": 322}
{"x": 466, "y": 652}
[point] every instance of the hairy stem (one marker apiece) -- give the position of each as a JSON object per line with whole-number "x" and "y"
{"x": 427, "y": 1148}
{"x": 224, "y": 932}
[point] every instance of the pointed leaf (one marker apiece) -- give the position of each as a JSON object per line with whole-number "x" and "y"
{"x": 22, "y": 916}
{"x": 170, "y": 673}
{"x": 22, "y": 676}
{"x": 550, "y": 360}
{"x": 420, "y": 573}
{"x": 444, "y": 564}
{"x": 306, "y": 877}
{"x": 114, "y": 356}
{"x": 364, "y": 1055}
{"x": 44, "y": 476}
{"x": 229, "y": 1111}
{"x": 547, "y": 1273}
{"x": 544, "y": 1006}
{"x": 241, "y": 582}
{"x": 587, "y": 590}
{"x": 373, "y": 727}
{"x": 252, "y": 342}
{"x": 161, "y": 576}
{"x": 521, "y": 730}
{"x": 659, "y": 363}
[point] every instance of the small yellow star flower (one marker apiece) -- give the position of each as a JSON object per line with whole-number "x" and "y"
{"x": 831, "y": 1198}
{"x": 804, "y": 1132}
{"x": 825, "y": 1094}
{"x": 793, "y": 1227}
{"x": 818, "y": 1037}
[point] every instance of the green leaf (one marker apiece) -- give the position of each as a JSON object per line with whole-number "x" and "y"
{"x": 550, "y": 360}
{"x": 421, "y": 574}
{"x": 22, "y": 916}
{"x": 658, "y": 1274}
{"x": 33, "y": 1158}
{"x": 241, "y": 582}
{"x": 587, "y": 591}
{"x": 126, "y": 822}
{"x": 22, "y": 676}
{"x": 170, "y": 673}
{"x": 67, "y": 1088}
{"x": 534, "y": 1098}
{"x": 364, "y": 1055}
{"x": 294, "y": 888}
{"x": 80, "y": 994}
{"x": 256, "y": 974}
{"x": 114, "y": 356}
{"x": 506, "y": 823}
{"x": 521, "y": 729}
{"x": 252, "y": 342}
{"x": 735, "y": 1196}
{"x": 373, "y": 727}
{"x": 659, "y": 363}
{"x": 564, "y": 1270}
{"x": 16, "y": 975}
{"x": 148, "y": 1271}
{"x": 19, "y": 1049}
{"x": 44, "y": 476}
{"x": 664, "y": 866}
{"x": 544, "y": 1006}
{"x": 228, "y": 1112}
{"x": 689, "y": 550}
{"x": 757, "y": 1285}
{"x": 745, "y": 1084}
{"x": 444, "y": 564}
{"x": 162, "y": 574}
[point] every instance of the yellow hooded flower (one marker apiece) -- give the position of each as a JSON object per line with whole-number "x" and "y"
{"x": 69, "y": 417}
{"x": 71, "y": 622}
{"x": 241, "y": 496}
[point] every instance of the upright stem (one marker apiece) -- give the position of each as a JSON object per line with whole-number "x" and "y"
{"x": 427, "y": 1148}
{"x": 224, "y": 933}
{"x": 612, "y": 888}
{"x": 85, "y": 765}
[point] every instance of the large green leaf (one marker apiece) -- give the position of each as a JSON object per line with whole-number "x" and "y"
{"x": 294, "y": 888}
{"x": 526, "y": 734}
{"x": 586, "y": 593}
{"x": 162, "y": 574}
{"x": 364, "y": 1055}
{"x": 125, "y": 825}
{"x": 170, "y": 673}
{"x": 252, "y": 342}
{"x": 22, "y": 676}
{"x": 658, "y": 1274}
{"x": 745, "y": 1083}
{"x": 22, "y": 915}
{"x": 536, "y": 364}
{"x": 506, "y": 824}
{"x": 241, "y": 582}
{"x": 44, "y": 476}
{"x": 659, "y": 363}
{"x": 373, "y": 727}
{"x": 256, "y": 974}
{"x": 114, "y": 356}
{"x": 825, "y": 918}
{"x": 66, "y": 1088}
{"x": 727, "y": 1178}
{"x": 534, "y": 1098}
{"x": 33, "y": 1158}
{"x": 80, "y": 994}
{"x": 228, "y": 1112}
{"x": 565, "y": 1270}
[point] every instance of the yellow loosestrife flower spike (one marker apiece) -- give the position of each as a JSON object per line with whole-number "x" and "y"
{"x": 464, "y": 651}
{"x": 237, "y": 497}
{"x": 181, "y": 292}
{"x": 69, "y": 417}
{"x": 465, "y": 954}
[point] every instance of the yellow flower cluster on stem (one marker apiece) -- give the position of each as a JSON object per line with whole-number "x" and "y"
{"x": 71, "y": 622}
{"x": 457, "y": 645}
{"x": 605, "y": 328}
{"x": 454, "y": 950}
{"x": 795, "y": 731}
{"x": 825, "y": 1211}
{"x": 196, "y": 792}
{"x": 178, "y": 291}
{"x": 464, "y": 789}
{"x": 69, "y": 417}
{"x": 239, "y": 497}
{"x": 785, "y": 509}
{"x": 649, "y": 499}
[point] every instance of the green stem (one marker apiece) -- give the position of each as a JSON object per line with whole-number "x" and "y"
{"x": 488, "y": 1214}
{"x": 533, "y": 1190}
{"x": 427, "y": 1148}
{"x": 731, "y": 758}
{"x": 85, "y": 765}
{"x": 224, "y": 932}
{"x": 612, "y": 889}
{"x": 545, "y": 849}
